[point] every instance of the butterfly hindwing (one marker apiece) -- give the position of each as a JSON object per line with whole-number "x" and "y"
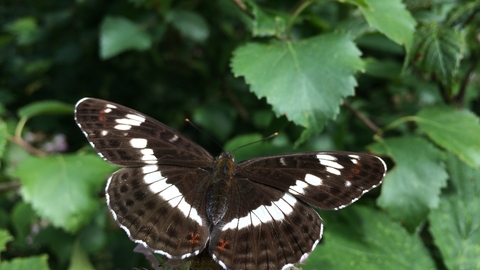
{"x": 264, "y": 228}
{"x": 157, "y": 207}
{"x": 327, "y": 180}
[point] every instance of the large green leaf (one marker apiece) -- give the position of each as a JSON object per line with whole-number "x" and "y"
{"x": 455, "y": 130}
{"x": 32, "y": 262}
{"x": 391, "y": 18}
{"x": 455, "y": 224}
{"x": 62, "y": 188}
{"x": 438, "y": 50}
{"x": 413, "y": 186}
{"x": 306, "y": 81}
{"x": 362, "y": 238}
{"x": 119, "y": 34}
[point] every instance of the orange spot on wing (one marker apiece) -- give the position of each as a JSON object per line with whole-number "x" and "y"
{"x": 193, "y": 237}
{"x": 355, "y": 171}
{"x": 222, "y": 244}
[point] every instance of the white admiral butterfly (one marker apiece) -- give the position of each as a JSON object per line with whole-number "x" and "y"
{"x": 173, "y": 197}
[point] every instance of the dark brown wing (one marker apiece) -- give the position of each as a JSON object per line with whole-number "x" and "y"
{"x": 327, "y": 180}
{"x": 159, "y": 198}
{"x": 128, "y": 138}
{"x": 264, "y": 228}
{"x": 157, "y": 207}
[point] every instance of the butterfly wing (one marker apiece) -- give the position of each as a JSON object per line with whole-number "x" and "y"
{"x": 269, "y": 224}
{"x": 128, "y": 138}
{"x": 264, "y": 228}
{"x": 327, "y": 180}
{"x": 157, "y": 207}
{"x": 159, "y": 197}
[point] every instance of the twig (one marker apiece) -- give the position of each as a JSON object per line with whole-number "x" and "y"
{"x": 27, "y": 146}
{"x": 443, "y": 92}
{"x": 242, "y": 111}
{"x": 243, "y": 7}
{"x": 362, "y": 117}
{"x": 463, "y": 85}
{"x": 9, "y": 185}
{"x": 295, "y": 15}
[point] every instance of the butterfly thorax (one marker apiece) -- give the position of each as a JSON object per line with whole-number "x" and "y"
{"x": 218, "y": 193}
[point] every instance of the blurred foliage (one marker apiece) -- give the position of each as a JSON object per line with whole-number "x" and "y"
{"x": 400, "y": 79}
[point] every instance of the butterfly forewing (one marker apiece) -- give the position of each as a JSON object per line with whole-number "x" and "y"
{"x": 327, "y": 180}
{"x": 126, "y": 137}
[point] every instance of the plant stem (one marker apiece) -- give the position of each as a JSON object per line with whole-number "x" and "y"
{"x": 295, "y": 15}
{"x": 362, "y": 117}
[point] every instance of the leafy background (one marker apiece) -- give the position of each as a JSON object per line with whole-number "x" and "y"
{"x": 399, "y": 79}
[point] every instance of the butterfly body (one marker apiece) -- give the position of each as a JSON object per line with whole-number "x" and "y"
{"x": 174, "y": 198}
{"x": 218, "y": 193}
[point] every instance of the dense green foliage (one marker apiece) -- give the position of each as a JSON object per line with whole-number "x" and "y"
{"x": 399, "y": 79}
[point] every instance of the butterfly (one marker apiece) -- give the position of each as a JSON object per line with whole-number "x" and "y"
{"x": 177, "y": 200}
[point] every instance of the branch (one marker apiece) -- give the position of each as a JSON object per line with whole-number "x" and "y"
{"x": 463, "y": 85}
{"x": 362, "y": 117}
{"x": 27, "y": 146}
{"x": 243, "y": 7}
{"x": 9, "y": 185}
{"x": 242, "y": 111}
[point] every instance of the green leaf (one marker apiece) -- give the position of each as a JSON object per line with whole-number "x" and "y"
{"x": 38, "y": 67}
{"x": 262, "y": 118}
{"x": 455, "y": 224}
{"x": 266, "y": 24}
{"x": 5, "y": 237}
{"x": 3, "y": 137}
{"x": 79, "y": 260}
{"x": 62, "y": 188}
{"x": 455, "y": 130}
{"x": 460, "y": 14}
{"x": 22, "y": 217}
{"x": 241, "y": 140}
{"x": 361, "y": 238}
{"x": 386, "y": 69}
{"x": 190, "y": 24}
{"x": 438, "y": 50}
{"x": 58, "y": 241}
{"x": 413, "y": 186}
{"x": 392, "y": 19}
{"x": 32, "y": 262}
{"x": 45, "y": 107}
{"x": 25, "y": 29}
{"x": 216, "y": 118}
{"x": 118, "y": 34}
{"x": 306, "y": 81}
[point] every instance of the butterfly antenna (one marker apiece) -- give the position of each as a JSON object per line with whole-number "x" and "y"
{"x": 261, "y": 140}
{"x": 204, "y": 133}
